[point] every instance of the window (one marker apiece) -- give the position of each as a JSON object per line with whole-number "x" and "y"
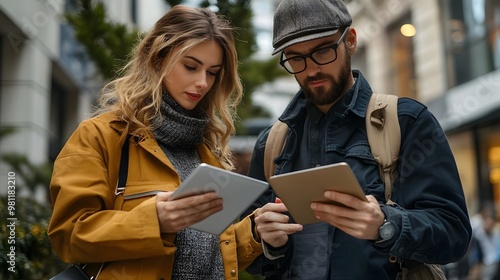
{"x": 464, "y": 151}
{"x": 489, "y": 154}
{"x": 494, "y": 32}
{"x": 57, "y": 119}
{"x": 401, "y": 76}
{"x": 133, "y": 11}
{"x": 472, "y": 38}
{"x": 71, "y": 6}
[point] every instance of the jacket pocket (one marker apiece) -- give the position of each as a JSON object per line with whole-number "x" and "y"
{"x": 135, "y": 194}
{"x": 365, "y": 168}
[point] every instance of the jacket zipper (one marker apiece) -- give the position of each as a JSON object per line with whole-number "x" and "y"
{"x": 139, "y": 195}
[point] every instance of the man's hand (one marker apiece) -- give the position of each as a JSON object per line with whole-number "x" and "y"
{"x": 361, "y": 219}
{"x": 178, "y": 214}
{"x": 272, "y": 225}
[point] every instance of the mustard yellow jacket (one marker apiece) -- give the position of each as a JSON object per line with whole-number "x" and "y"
{"x": 90, "y": 224}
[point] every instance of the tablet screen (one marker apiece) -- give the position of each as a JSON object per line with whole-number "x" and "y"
{"x": 298, "y": 189}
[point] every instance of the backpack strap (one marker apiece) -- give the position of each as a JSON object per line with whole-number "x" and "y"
{"x": 384, "y": 136}
{"x": 274, "y": 146}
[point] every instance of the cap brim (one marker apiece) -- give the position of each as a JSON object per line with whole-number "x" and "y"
{"x": 305, "y": 39}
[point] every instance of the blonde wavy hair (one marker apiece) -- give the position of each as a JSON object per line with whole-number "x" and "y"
{"x": 136, "y": 96}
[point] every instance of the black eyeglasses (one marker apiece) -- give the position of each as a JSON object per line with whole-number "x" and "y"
{"x": 321, "y": 56}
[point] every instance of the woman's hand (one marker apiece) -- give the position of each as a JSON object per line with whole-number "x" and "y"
{"x": 178, "y": 214}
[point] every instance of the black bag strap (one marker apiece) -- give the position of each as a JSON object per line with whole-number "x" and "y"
{"x": 123, "y": 171}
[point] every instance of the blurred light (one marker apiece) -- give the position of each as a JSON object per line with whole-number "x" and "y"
{"x": 408, "y": 30}
{"x": 495, "y": 176}
{"x": 494, "y": 161}
{"x": 494, "y": 155}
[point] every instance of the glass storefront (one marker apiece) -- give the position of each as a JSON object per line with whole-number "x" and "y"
{"x": 462, "y": 145}
{"x": 472, "y": 38}
{"x": 489, "y": 148}
{"x": 471, "y": 30}
{"x": 477, "y": 153}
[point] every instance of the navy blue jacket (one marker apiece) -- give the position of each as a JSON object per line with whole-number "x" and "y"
{"x": 431, "y": 219}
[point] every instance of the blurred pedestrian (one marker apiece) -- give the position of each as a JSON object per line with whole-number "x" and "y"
{"x": 484, "y": 254}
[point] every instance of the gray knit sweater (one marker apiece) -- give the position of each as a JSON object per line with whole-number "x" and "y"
{"x": 178, "y": 133}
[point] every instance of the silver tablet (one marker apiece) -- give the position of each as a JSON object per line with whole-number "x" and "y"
{"x": 237, "y": 191}
{"x": 298, "y": 189}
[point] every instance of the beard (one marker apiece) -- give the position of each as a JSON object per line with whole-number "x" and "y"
{"x": 323, "y": 95}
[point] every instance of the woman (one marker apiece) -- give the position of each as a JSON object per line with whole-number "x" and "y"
{"x": 176, "y": 103}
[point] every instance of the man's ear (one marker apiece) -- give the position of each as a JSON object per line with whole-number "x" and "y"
{"x": 351, "y": 40}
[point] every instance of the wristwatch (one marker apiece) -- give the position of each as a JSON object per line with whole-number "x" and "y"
{"x": 385, "y": 232}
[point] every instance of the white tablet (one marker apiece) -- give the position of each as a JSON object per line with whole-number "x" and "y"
{"x": 298, "y": 189}
{"x": 237, "y": 191}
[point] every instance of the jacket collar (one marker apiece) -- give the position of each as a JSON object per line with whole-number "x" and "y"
{"x": 119, "y": 125}
{"x": 150, "y": 144}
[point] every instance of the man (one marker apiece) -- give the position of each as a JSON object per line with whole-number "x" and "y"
{"x": 326, "y": 123}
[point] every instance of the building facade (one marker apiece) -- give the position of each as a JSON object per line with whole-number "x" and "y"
{"x": 47, "y": 82}
{"x": 450, "y": 63}
{"x": 41, "y": 79}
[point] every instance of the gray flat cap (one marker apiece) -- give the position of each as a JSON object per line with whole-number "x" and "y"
{"x": 297, "y": 21}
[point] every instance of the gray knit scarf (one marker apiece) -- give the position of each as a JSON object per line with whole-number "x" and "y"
{"x": 178, "y": 133}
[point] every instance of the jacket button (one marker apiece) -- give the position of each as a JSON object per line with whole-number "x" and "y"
{"x": 227, "y": 242}
{"x": 233, "y": 272}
